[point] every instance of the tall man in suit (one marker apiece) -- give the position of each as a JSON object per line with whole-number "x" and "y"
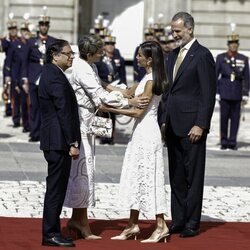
{"x": 188, "y": 110}
{"x": 60, "y": 136}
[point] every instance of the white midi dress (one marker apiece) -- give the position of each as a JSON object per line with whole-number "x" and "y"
{"x": 142, "y": 179}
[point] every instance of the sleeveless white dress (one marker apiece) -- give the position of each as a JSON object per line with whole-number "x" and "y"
{"x": 142, "y": 179}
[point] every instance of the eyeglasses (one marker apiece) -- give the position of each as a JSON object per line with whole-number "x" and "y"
{"x": 109, "y": 43}
{"x": 68, "y": 54}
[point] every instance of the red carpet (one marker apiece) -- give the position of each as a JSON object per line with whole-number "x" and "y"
{"x": 20, "y": 233}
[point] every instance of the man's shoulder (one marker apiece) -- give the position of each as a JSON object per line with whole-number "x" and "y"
{"x": 241, "y": 56}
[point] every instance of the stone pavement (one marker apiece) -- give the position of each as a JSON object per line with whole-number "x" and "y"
{"x": 25, "y": 199}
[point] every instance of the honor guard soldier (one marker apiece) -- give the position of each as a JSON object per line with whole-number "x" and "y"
{"x": 232, "y": 71}
{"x": 140, "y": 72}
{"x": 35, "y": 59}
{"x": 111, "y": 69}
{"x": 167, "y": 43}
{"x": 114, "y": 63}
{"x": 14, "y": 62}
{"x": 5, "y": 44}
{"x": 159, "y": 27}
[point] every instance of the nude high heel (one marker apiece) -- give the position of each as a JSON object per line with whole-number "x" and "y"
{"x": 80, "y": 231}
{"x": 127, "y": 233}
{"x": 157, "y": 236}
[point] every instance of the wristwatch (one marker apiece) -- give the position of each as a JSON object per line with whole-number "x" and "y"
{"x": 74, "y": 144}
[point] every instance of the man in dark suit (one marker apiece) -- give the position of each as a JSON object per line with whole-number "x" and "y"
{"x": 60, "y": 136}
{"x": 188, "y": 110}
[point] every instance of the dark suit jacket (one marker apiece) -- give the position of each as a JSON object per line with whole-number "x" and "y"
{"x": 191, "y": 96}
{"x": 60, "y": 124}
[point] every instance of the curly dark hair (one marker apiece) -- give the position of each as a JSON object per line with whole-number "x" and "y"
{"x": 54, "y": 49}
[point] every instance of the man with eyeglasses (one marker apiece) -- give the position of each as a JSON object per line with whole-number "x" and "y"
{"x": 60, "y": 137}
{"x": 232, "y": 72}
{"x": 34, "y": 61}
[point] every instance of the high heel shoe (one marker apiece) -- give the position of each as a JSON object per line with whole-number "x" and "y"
{"x": 127, "y": 233}
{"x": 157, "y": 236}
{"x": 81, "y": 231}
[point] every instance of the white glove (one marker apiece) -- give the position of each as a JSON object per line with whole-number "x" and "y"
{"x": 217, "y": 97}
{"x": 245, "y": 98}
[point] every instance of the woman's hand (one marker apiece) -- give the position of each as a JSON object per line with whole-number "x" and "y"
{"x": 139, "y": 102}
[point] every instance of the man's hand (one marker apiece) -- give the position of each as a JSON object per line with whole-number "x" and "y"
{"x": 74, "y": 152}
{"x": 7, "y": 80}
{"x": 244, "y": 100}
{"x": 25, "y": 87}
{"x": 17, "y": 89}
{"x": 139, "y": 102}
{"x": 195, "y": 134}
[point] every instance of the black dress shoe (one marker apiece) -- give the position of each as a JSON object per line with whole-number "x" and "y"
{"x": 232, "y": 147}
{"x": 58, "y": 241}
{"x": 189, "y": 232}
{"x": 223, "y": 147}
{"x": 33, "y": 139}
{"x": 16, "y": 125}
{"x": 25, "y": 130}
{"x": 175, "y": 229}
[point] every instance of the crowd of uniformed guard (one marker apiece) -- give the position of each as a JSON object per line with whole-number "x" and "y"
{"x": 24, "y": 59}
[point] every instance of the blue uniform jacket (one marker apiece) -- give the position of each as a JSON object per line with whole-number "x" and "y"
{"x": 232, "y": 76}
{"x": 15, "y": 60}
{"x": 35, "y": 58}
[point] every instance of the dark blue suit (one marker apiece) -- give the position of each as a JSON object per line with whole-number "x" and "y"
{"x": 60, "y": 127}
{"x": 232, "y": 74}
{"x": 33, "y": 66}
{"x": 189, "y": 102}
{"x": 14, "y": 64}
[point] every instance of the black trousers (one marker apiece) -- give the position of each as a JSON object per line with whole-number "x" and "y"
{"x": 229, "y": 110}
{"x": 59, "y": 163}
{"x": 186, "y": 173}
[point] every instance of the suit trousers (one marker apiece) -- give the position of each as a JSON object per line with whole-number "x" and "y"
{"x": 229, "y": 110}
{"x": 59, "y": 163}
{"x": 186, "y": 173}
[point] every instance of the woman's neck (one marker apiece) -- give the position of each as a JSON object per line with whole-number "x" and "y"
{"x": 148, "y": 70}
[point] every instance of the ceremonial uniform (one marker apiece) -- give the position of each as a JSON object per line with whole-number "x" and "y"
{"x": 232, "y": 71}
{"x": 111, "y": 68}
{"x": 35, "y": 59}
{"x": 14, "y": 63}
{"x": 5, "y": 44}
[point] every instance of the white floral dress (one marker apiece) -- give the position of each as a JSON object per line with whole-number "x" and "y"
{"x": 142, "y": 178}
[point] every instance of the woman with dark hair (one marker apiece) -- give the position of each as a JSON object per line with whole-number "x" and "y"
{"x": 142, "y": 178}
{"x": 90, "y": 93}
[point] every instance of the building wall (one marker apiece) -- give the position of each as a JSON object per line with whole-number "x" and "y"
{"x": 213, "y": 18}
{"x": 64, "y": 15}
